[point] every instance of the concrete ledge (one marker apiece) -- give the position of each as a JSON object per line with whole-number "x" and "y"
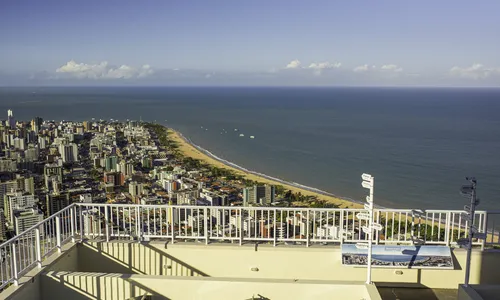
{"x": 76, "y": 285}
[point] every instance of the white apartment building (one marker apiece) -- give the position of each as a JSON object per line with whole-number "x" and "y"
{"x": 26, "y": 218}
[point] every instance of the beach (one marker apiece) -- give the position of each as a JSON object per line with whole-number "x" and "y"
{"x": 189, "y": 149}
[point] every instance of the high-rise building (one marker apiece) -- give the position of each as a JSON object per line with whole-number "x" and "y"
{"x": 3, "y": 229}
{"x": 146, "y": 162}
{"x": 36, "y": 124}
{"x": 26, "y": 218}
{"x": 263, "y": 195}
{"x": 69, "y": 152}
{"x": 7, "y": 187}
{"x": 56, "y": 202}
{"x": 135, "y": 189}
{"x": 171, "y": 185}
{"x": 10, "y": 119}
{"x": 31, "y": 154}
{"x": 42, "y": 142}
{"x": 87, "y": 126}
{"x": 26, "y": 184}
{"x": 52, "y": 172}
{"x": 19, "y": 143}
{"x": 15, "y": 201}
{"x": 114, "y": 178}
{"x": 127, "y": 169}
{"x": 270, "y": 194}
{"x": 8, "y": 165}
{"x": 111, "y": 163}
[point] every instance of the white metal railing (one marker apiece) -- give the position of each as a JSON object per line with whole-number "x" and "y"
{"x": 233, "y": 224}
{"x": 27, "y": 250}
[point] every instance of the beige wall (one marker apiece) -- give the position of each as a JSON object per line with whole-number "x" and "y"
{"x": 76, "y": 286}
{"x": 271, "y": 262}
{"x": 30, "y": 291}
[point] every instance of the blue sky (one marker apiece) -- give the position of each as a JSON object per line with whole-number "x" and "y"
{"x": 250, "y": 42}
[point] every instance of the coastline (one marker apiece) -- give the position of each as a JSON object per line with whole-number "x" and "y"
{"x": 188, "y": 148}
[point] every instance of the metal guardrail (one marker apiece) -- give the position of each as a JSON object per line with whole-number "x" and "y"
{"x": 241, "y": 225}
{"x": 27, "y": 250}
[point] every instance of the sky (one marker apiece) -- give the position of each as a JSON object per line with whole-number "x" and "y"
{"x": 260, "y": 42}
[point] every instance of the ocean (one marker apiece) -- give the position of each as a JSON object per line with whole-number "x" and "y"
{"x": 418, "y": 143}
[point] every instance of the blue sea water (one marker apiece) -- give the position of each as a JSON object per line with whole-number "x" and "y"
{"x": 418, "y": 143}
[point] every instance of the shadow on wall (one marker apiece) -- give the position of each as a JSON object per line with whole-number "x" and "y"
{"x": 490, "y": 267}
{"x": 80, "y": 286}
{"x": 417, "y": 290}
{"x": 131, "y": 258}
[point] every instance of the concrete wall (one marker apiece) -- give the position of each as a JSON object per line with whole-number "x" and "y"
{"x": 79, "y": 286}
{"x": 91, "y": 268}
{"x": 322, "y": 263}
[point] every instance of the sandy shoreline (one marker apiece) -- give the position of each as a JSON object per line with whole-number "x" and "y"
{"x": 190, "y": 150}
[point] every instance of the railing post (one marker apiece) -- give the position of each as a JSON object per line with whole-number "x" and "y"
{"x": 308, "y": 229}
{"x": 172, "y": 221}
{"x": 241, "y": 226}
{"x": 274, "y": 228}
{"x": 205, "y": 225}
{"x": 106, "y": 220}
{"x": 14, "y": 264}
{"x": 448, "y": 228}
{"x": 341, "y": 226}
{"x": 38, "y": 248}
{"x": 73, "y": 222}
{"x": 139, "y": 226}
{"x": 485, "y": 230}
{"x": 58, "y": 233}
{"x": 80, "y": 218}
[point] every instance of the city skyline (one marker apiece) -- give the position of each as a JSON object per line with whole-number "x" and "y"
{"x": 386, "y": 43}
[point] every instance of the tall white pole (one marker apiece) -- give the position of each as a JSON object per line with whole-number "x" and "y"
{"x": 368, "y": 183}
{"x": 370, "y": 236}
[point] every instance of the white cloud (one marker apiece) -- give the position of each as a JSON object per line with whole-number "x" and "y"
{"x": 103, "y": 71}
{"x": 392, "y": 68}
{"x": 363, "y": 68}
{"x": 324, "y": 65}
{"x": 318, "y": 67}
{"x": 294, "y": 64}
{"x": 476, "y": 71}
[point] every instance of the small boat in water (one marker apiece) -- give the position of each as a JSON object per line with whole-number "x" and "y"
{"x": 241, "y": 134}
{"x": 252, "y": 137}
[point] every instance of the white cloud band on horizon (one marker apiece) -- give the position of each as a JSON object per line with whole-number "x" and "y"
{"x": 392, "y": 68}
{"x": 295, "y": 72}
{"x": 103, "y": 70}
{"x": 476, "y": 71}
{"x": 364, "y": 68}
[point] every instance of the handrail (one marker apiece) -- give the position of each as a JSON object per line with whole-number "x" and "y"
{"x": 38, "y": 224}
